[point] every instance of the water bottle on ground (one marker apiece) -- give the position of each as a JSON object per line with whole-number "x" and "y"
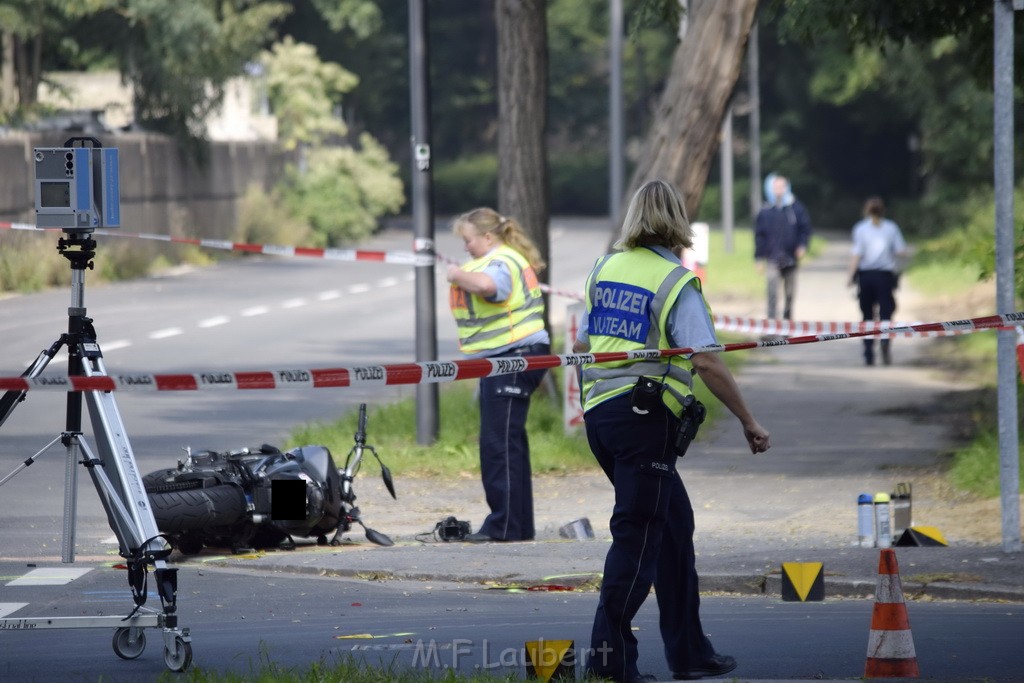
{"x": 901, "y": 507}
{"x": 865, "y": 521}
{"x": 883, "y": 530}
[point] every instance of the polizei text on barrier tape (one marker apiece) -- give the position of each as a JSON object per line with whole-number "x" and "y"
{"x": 434, "y": 371}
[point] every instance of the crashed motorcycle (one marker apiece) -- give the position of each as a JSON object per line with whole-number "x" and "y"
{"x": 226, "y": 498}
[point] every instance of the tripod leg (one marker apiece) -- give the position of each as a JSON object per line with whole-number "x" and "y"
{"x": 118, "y": 515}
{"x": 67, "y": 548}
{"x": 10, "y": 400}
{"x": 115, "y": 452}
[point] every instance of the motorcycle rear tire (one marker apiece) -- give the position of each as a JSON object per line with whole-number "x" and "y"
{"x": 180, "y": 511}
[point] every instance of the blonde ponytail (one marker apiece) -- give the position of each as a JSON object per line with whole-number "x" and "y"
{"x": 507, "y": 230}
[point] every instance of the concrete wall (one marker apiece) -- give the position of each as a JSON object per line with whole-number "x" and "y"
{"x": 161, "y": 191}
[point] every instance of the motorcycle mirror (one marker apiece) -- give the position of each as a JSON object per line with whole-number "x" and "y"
{"x": 377, "y": 537}
{"x": 385, "y": 474}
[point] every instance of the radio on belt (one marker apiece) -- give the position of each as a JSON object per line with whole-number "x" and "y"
{"x": 77, "y": 188}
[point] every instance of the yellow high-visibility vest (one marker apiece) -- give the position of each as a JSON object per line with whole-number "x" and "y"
{"x": 629, "y": 298}
{"x": 485, "y": 325}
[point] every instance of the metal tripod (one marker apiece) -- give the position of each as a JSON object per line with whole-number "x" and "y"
{"x": 116, "y": 478}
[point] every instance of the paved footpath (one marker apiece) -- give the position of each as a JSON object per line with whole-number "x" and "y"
{"x": 838, "y": 429}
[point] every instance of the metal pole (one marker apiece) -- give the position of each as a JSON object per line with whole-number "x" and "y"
{"x": 754, "y": 87}
{"x": 1009, "y": 455}
{"x": 725, "y": 167}
{"x": 615, "y": 122}
{"x": 423, "y": 218}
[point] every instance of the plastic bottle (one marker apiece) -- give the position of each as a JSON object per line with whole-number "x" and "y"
{"x": 865, "y": 521}
{"x": 883, "y": 531}
{"x": 901, "y": 507}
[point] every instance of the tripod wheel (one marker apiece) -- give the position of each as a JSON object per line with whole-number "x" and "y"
{"x": 125, "y": 646}
{"x": 180, "y": 658}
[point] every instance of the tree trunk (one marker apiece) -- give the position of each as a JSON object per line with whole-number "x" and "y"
{"x": 522, "y": 117}
{"x": 28, "y": 68}
{"x": 8, "y": 93}
{"x": 684, "y": 134}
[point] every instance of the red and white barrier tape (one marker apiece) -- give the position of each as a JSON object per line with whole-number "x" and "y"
{"x": 721, "y": 322}
{"x": 1020, "y": 350}
{"x": 796, "y": 327}
{"x": 428, "y": 372}
{"x": 406, "y": 258}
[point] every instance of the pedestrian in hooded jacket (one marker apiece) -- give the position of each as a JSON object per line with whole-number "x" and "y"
{"x": 782, "y": 231}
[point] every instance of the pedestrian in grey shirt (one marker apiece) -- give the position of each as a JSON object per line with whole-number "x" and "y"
{"x": 878, "y": 253}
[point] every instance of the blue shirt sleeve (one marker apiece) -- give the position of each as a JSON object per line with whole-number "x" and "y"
{"x": 689, "y": 325}
{"x": 498, "y": 271}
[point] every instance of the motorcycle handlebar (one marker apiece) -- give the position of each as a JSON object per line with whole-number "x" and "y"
{"x": 360, "y": 435}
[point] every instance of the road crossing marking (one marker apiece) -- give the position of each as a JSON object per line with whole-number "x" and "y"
{"x": 49, "y": 576}
{"x": 10, "y": 608}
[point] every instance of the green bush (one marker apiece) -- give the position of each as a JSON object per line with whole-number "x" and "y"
{"x": 29, "y": 262}
{"x": 579, "y": 184}
{"x": 465, "y": 183}
{"x": 971, "y": 245}
{"x": 344, "y": 191}
{"x": 263, "y": 218}
{"x": 710, "y": 210}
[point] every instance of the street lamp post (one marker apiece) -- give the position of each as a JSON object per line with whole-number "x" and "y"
{"x": 423, "y": 218}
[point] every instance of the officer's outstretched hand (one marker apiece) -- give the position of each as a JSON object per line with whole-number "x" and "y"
{"x": 757, "y": 437}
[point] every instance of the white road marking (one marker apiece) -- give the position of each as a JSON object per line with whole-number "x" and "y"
{"x": 50, "y": 576}
{"x": 215, "y": 321}
{"x": 359, "y": 289}
{"x": 328, "y": 295}
{"x": 115, "y": 345}
{"x": 387, "y": 282}
{"x": 10, "y": 607}
{"x": 166, "y": 332}
{"x": 255, "y": 310}
{"x": 293, "y": 303}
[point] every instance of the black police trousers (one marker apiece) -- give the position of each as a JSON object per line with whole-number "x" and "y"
{"x": 505, "y": 450}
{"x": 652, "y": 542}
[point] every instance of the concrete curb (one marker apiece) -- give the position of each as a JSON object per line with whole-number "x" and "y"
{"x": 755, "y": 584}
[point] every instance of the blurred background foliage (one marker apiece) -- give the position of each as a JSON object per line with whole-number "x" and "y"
{"x": 859, "y": 98}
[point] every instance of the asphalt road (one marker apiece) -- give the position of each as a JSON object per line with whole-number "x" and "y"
{"x": 271, "y": 313}
{"x": 240, "y": 619}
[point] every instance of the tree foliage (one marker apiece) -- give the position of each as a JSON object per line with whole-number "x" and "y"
{"x": 882, "y": 23}
{"x": 27, "y": 28}
{"x": 178, "y": 56}
{"x": 362, "y": 17}
{"x": 304, "y": 92}
{"x": 343, "y": 191}
{"x": 339, "y": 191}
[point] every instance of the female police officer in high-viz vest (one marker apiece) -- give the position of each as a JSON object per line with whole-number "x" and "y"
{"x": 499, "y": 311}
{"x": 642, "y": 298}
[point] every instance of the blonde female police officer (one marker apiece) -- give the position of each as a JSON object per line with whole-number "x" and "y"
{"x": 499, "y": 310}
{"x": 642, "y": 298}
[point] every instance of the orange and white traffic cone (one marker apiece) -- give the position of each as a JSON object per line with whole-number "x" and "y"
{"x": 890, "y": 643}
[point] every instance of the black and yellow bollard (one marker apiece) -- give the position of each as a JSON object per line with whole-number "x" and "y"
{"x": 803, "y": 581}
{"x": 550, "y": 659}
